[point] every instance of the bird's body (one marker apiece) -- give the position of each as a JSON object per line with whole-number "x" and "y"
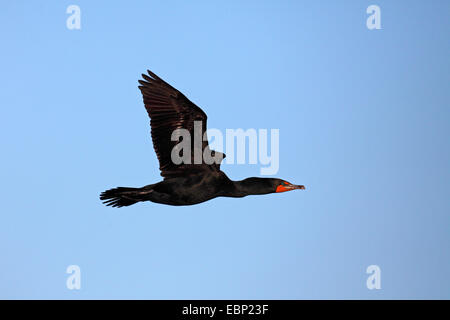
{"x": 189, "y": 182}
{"x": 177, "y": 191}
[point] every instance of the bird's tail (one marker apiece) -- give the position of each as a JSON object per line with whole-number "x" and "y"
{"x": 121, "y": 196}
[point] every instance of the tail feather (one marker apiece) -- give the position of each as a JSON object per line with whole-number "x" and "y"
{"x": 120, "y": 197}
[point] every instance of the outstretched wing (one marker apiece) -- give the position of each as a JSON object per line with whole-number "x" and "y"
{"x": 170, "y": 110}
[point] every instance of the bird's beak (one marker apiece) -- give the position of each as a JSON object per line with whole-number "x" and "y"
{"x": 289, "y": 188}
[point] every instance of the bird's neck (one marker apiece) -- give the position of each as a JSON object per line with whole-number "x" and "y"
{"x": 250, "y": 186}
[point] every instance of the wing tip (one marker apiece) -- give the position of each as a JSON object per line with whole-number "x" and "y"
{"x": 152, "y": 74}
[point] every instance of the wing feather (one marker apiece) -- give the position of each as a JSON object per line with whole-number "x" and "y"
{"x": 170, "y": 110}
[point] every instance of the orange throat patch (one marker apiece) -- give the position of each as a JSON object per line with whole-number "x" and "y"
{"x": 282, "y": 189}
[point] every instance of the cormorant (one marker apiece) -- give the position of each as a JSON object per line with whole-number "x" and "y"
{"x": 184, "y": 183}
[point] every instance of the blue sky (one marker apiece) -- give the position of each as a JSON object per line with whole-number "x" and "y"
{"x": 363, "y": 118}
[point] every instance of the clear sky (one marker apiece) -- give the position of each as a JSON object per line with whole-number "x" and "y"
{"x": 364, "y": 124}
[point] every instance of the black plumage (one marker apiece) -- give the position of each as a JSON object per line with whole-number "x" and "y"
{"x": 185, "y": 183}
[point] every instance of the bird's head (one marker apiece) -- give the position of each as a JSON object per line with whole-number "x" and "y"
{"x": 281, "y": 185}
{"x": 266, "y": 185}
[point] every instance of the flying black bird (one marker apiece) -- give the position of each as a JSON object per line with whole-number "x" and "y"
{"x": 185, "y": 183}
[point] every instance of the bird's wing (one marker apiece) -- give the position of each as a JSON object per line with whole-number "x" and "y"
{"x": 169, "y": 110}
